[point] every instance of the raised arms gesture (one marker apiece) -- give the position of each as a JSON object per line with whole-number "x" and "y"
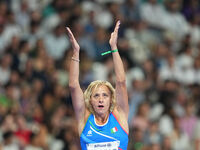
{"x": 121, "y": 90}
{"x": 75, "y": 89}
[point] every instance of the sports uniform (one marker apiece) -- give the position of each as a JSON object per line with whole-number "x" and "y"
{"x": 110, "y": 136}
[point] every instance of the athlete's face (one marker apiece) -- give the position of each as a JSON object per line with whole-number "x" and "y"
{"x": 101, "y": 99}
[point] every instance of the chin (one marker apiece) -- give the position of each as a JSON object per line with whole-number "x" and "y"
{"x": 101, "y": 112}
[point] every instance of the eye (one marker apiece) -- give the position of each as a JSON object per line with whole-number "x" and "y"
{"x": 105, "y": 95}
{"x": 96, "y": 95}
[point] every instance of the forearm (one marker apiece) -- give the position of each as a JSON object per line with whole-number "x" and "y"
{"x": 75, "y": 90}
{"x": 118, "y": 66}
{"x": 74, "y": 70}
{"x": 120, "y": 83}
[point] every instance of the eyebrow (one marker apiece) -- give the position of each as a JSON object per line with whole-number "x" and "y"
{"x": 107, "y": 93}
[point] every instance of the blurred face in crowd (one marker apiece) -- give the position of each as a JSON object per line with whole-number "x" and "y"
{"x": 166, "y": 143}
{"x": 138, "y": 134}
{"x": 101, "y": 35}
{"x": 59, "y": 31}
{"x": 48, "y": 102}
{"x": 190, "y": 108}
{"x": 6, "y": 61}
{"x": 143, "y": 109}
{"x": 176, "y": 122}
{"x": 174, "y": 6}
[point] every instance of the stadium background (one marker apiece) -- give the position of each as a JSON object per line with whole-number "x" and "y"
{"x": 159, "y": 42}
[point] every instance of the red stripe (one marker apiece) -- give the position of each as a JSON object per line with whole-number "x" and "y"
{"x": 120, "y": 148}
{"x": 120, "y": 124}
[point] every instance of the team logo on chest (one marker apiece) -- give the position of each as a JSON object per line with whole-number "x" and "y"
{"x": 89, "y": 133}
{"x": 114, "y": 130}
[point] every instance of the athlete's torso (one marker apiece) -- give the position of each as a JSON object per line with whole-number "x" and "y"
{"x": 110, "y": 136}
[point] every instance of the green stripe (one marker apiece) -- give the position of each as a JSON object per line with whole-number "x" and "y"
{"x": 94, "y": 126}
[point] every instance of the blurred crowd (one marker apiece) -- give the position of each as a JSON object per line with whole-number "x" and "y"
{"x": 159, "y": 42}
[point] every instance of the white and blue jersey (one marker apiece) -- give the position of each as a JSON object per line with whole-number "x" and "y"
{"x": 110, "y": 136}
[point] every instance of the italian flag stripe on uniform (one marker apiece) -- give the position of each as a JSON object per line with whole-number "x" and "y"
{"x": 113, "y": 130}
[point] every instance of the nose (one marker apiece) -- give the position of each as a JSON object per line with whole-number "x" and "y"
{"x": 101, "y": 99}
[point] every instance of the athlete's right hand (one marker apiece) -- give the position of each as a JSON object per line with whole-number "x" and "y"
{"x": 72, "y": 39}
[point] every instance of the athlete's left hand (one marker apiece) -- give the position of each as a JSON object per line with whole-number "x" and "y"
{"x": 114, "y": 36}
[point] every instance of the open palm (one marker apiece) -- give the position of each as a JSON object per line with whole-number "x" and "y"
{"x": 72, "y": 39}
{"x": 114, "y": 35}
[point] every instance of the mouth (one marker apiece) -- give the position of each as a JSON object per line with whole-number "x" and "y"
{"x": 100, "y": 106}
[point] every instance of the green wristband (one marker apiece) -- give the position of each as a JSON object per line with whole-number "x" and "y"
{"x": 105, "y": 53}
{"x": 115, "y": 50}
{"x": 112, "y": 51}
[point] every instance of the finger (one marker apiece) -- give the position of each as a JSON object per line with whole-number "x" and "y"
{"x": 70, "y": 32}
{"x": 117, "y": 26}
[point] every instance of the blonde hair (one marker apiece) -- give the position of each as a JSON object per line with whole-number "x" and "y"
{"x": 92, "y": 87}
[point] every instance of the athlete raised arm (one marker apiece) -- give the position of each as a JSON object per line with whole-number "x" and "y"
{"x": 102, "y": 111}
{"x": 75, "y": 89}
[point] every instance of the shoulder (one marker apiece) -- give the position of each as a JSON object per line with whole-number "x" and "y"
{"x": 121, "y": 118}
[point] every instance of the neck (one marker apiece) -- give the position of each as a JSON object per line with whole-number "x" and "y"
{"x": 101, "y": 119}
